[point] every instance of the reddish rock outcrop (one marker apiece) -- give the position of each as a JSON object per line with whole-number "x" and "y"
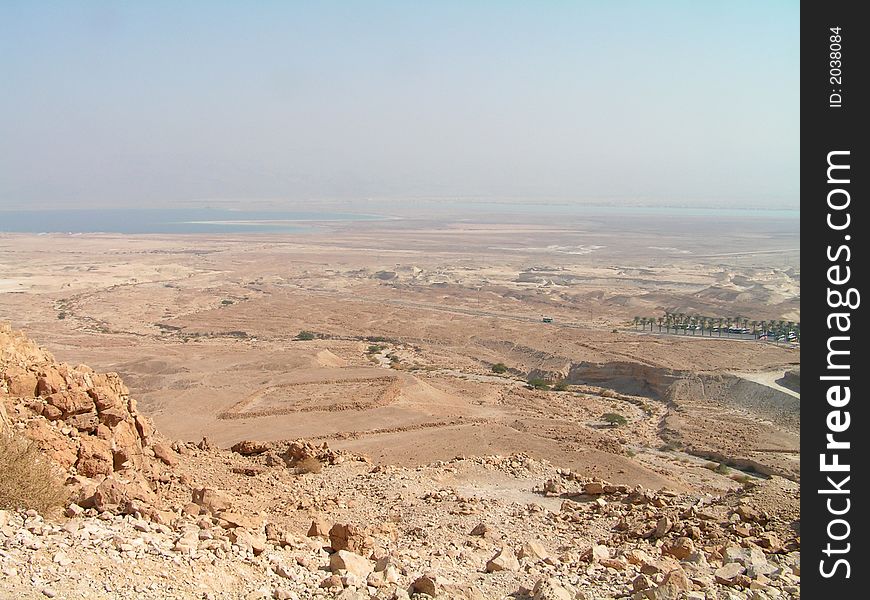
{"x": 84, "y": 421}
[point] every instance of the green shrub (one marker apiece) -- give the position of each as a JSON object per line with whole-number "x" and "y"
{"x": 614, "y": 419}
{"x": 499, "y": 368}
{"x": 537, "y": 383}
{"x": 305, "y": 335}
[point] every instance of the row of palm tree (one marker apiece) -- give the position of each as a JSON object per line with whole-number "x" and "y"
{"x": 700, "y": 324}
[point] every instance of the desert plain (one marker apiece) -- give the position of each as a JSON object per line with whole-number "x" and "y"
{"x": 380, "y": 338}
{"x": 204, "y": 329}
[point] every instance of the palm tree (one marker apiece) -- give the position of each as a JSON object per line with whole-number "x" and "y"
{"x": 660, "y": 324}
{"x": 636, "y": 321}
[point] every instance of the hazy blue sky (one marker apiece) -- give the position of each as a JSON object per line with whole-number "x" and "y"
{"x": 154, "y": 103}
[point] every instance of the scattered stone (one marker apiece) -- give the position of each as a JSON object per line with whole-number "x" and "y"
{"x": 727, "y": 574}
{"x": 352, "y": 563}
{"x": 212, "y": 500}
{"x": 333, "y": 581}
{"x": 533, "y": 551}
{"x": 318, "y": 528}
{"x": 680, "y": 548}
{"x": 229, "y": 520}
{"x": 255, "y": 542}
{"x": 165, "y": 454}
{"x": 349, "y": 537}
{"x": 251, "y": 447}
{"x": 641, "y": 582}
{"x": 426, "y": 584}
{"x": 593, "y": 488}
{"x": 663, "y": 526}
{"x": 504, "y": 560}
{"x": 550, "y": 589}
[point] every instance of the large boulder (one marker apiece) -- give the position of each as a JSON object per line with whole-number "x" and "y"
{"x": 20, "y": 382}
{"x": 60, "y": 448}
{"x": 72, "y": 402}
{"x": 350, "y": 537}
{"x": 115, "y": 495}
{"x": 95, "y": 457}
{"x": 212, "y": 500}
{"x": 50, "y": 381}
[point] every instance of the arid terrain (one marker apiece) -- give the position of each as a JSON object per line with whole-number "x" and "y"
{"x": 404, "y": 321}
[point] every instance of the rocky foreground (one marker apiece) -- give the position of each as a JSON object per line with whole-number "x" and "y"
{"x": 150, "y": 518}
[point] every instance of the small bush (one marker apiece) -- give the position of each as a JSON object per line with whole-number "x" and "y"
{"x": 561, "y": 386}
{"x": 27, "y": 477}
{"x": 614, "y": 419}
{"x": 309, "y": 464}
{"x": 374, "y": 349}
{"x": 305, "y": 335}
{"x": 722, "y": 469}
{"x": 538, "y": 384}
{"x": 499, "y": 368}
